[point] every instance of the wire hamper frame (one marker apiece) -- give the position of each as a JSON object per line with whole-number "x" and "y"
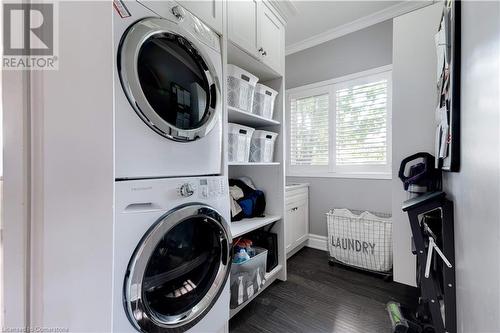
{"x": 361, "y": 240}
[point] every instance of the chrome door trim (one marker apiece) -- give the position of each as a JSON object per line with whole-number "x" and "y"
{"x": 138, "y": 311}
{"x": 128, "y": 54}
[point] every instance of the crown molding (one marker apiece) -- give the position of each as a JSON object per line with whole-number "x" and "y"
{"x": 364, "y": 22}
{"x": 286, "y": 8}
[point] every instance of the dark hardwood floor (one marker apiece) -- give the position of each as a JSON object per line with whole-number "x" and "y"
{"x": 318, "y": 298}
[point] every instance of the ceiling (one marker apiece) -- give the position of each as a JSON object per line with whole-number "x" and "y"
{"x": 315, "y": 17}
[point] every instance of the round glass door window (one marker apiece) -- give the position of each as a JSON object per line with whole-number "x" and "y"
{"x": 178, "y": 270}
{"x": 167, "y": 80}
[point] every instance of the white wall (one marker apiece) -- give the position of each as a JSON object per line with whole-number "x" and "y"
{"x": 352, "y": 53}
{"x": 413, "y": 105}
{"x": 476, "y": 188}
{"x": 72, "y": 235}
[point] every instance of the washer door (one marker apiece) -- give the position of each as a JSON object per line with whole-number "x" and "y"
{"x": 167, "y": 79}
{"x": 178, "y": 270}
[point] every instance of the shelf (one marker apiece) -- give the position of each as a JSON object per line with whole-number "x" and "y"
{"x": 274, "y": 272}
{"x": 252, "y": 163}
{"x": 249, "y": 119}
{"x": 244, "y": 226}
{"x": 270, "y": 277}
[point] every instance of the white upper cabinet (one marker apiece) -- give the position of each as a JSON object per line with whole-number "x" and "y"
{"x": 271, "y": 39}
{"x": 209, "y": 11}
{"x": 256, "y": 29}
{"x": 242, "y": 24}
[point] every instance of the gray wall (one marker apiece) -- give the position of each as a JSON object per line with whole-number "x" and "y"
{"x": 326, "y": 193}
{"x": 356, "y": 52}
{"x": 413, "y": 115}
{"x": 476, "y": 188}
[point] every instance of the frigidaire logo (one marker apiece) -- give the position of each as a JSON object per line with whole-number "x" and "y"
{"x": 30, "y": 36}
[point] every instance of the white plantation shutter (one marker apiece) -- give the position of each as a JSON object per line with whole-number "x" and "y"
{"x": 309, "y": 130}
{"x": 361, "y": 124}
{"x": 342, "y": 127}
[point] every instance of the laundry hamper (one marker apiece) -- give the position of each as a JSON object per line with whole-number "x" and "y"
{"x": 263, "y": 101}
{"x": 262, "y": 146}
{"x": 361, "y": 239}
{"x": 239, "y": 138}
{"x": 240, "y": 88}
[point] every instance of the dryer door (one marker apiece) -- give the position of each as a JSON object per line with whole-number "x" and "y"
{"x": 168, "y": 80}
{"x": 178, "y": 270}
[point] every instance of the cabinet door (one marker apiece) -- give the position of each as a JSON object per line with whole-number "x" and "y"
{"x": 243, "y": 22}
{"x": 301, "y": 217}
{"x": 209, "y": 11}
{"x": 271, "y": 39}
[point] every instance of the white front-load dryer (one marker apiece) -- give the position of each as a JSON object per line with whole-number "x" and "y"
{"x": 172, "y": 245}
{"x": 168, "y": 104}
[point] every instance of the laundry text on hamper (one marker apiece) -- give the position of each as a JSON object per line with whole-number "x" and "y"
{"x": 351, "y": 244}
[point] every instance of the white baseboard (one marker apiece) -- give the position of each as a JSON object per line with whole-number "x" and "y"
{"x": 317, "y": 242}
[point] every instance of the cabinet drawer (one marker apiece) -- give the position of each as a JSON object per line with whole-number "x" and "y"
{"x": 296, "y": 194}
{"x": 296, "y": 200}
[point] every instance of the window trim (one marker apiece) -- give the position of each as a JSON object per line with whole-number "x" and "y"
{"x": 331, "y": 170}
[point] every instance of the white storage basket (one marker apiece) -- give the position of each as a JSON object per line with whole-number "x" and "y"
{"x": 239, "y": 138}
{"x": 360, "y": 239}
{"x": 262, "y": 146}
{"x": 240, "y": 88}
{"x": 263, "y": 101}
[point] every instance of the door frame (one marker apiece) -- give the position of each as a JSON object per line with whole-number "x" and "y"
{"x": 16, "y": 197}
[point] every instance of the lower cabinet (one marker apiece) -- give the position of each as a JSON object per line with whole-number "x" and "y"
{"x": 296, "y": 218}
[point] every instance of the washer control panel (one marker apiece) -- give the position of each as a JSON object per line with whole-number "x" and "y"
{"x": 211, "y": 188}
{"x": 202, "y": 188}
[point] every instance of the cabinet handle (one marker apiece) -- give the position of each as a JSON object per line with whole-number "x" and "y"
{"x": 261, "y": 50}
{"x": 294, "y": 209}
{"x": 264, "y": 53}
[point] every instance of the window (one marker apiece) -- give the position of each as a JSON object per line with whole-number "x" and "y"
{"x": 342, "y": 127}
{"x": 309, "y": 130}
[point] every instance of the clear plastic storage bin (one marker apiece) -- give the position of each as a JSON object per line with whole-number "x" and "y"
{"x": 263, "y": 101}
{"x": 239, "y": 138}
{"x": 262, "y": 146}
{"x": 240, "y": 88}
{"x": 248, "y": 277}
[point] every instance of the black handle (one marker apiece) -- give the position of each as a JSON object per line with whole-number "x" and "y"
{"x": 401, "y": 173}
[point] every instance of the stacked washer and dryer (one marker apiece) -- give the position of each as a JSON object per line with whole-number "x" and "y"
{"x": 172, "y": 239}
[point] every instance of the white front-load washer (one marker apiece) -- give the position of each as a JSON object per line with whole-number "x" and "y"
{"x": 168, "y": 104}
{"x": 172, "y": 255}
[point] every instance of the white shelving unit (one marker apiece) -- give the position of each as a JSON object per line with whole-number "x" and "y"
{"x": 268, "y": 177}
{"x": 238, "y": 49}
